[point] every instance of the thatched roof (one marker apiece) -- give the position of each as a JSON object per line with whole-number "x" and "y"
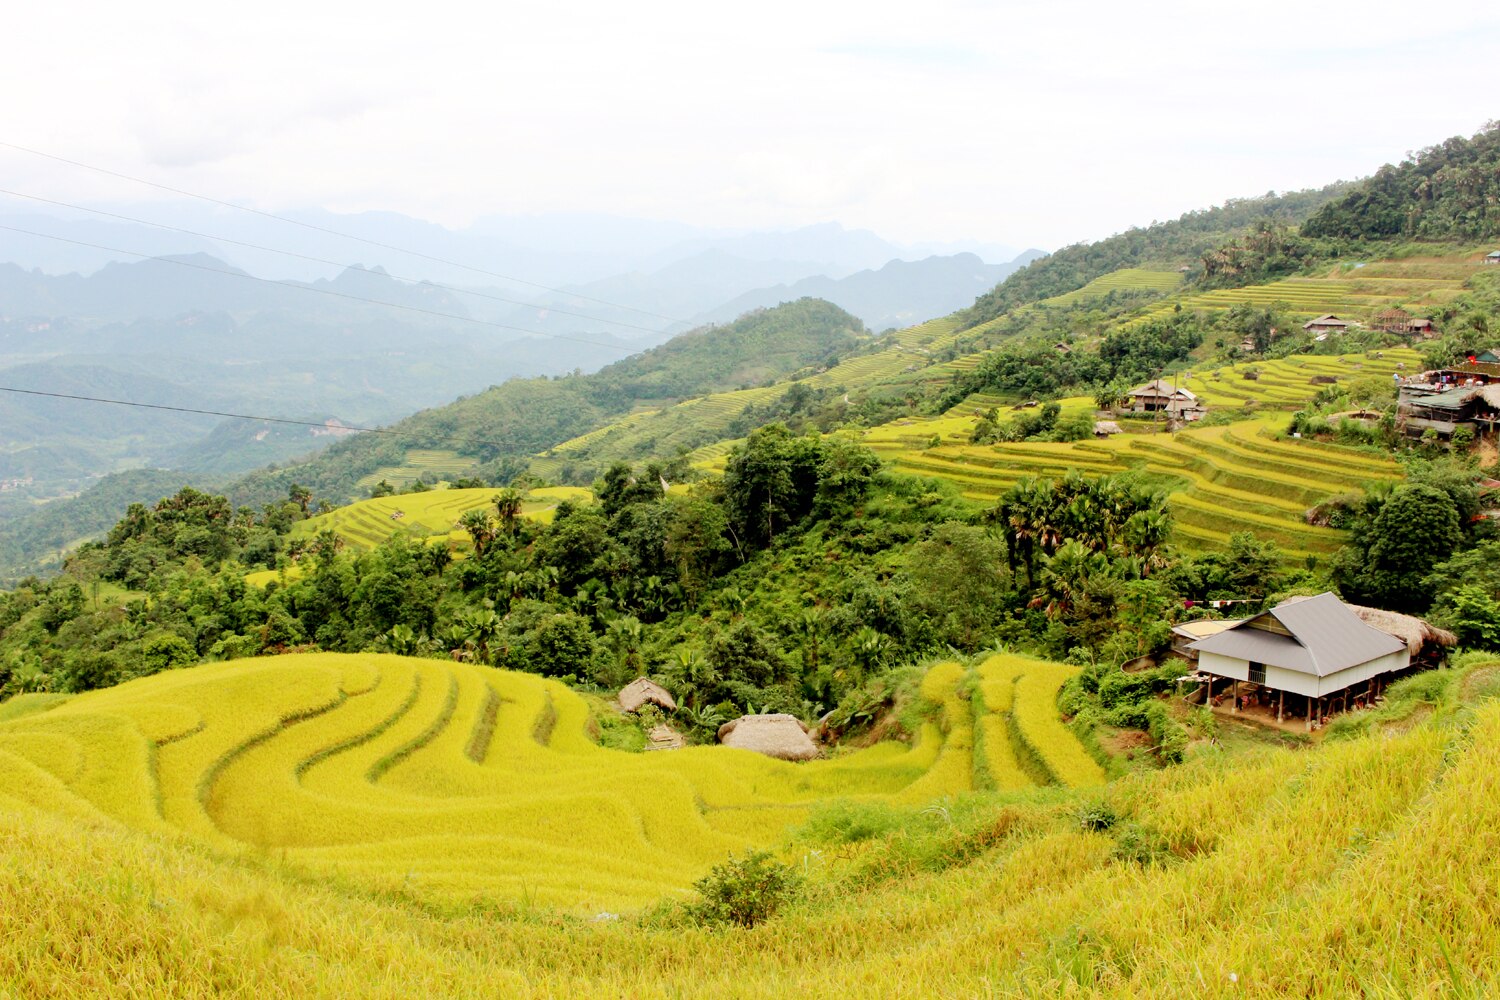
{"x": 780, "y": 736}
{"x": 642, "y": 691}
{"x": 1106, "y": 427}
{"x": 1413, "y": 631}
{"x": 1161, "y": 387}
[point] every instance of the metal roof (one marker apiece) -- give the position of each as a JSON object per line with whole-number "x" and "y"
{"x": 1326, "y": 637}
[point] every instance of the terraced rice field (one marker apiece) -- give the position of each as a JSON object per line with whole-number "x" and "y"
{"x": 430, "y": 466}
{"x": 1225, "y": 479}
{"x": 1133, "y": 279}
{"x": 1022, "y": 737}
{"x": 430, "y": 515}
{"x": 1347, "y": 291}
{"x": 1287, "y": 383}
{"x": 453, "y": 780}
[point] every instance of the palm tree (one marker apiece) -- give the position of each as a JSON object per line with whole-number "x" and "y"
{"x": 508, "y": 509}
{"x": 480, "y": 527}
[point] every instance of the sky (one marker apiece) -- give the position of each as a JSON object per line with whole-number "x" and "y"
{"x": 1022, "y": 123}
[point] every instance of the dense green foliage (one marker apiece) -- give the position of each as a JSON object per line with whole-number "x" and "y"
{"x": 1448, "y": 191}
{"x": 50, "y": 528}
{"x": 1399, "y": 536}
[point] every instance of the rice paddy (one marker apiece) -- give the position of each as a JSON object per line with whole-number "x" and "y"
{"x": 349, "y": 826}
{"x": 453, "y": 780}
{"x": 1128, "y": 279}
{"x": 1236, "y": 477}
{"x": 431, "y": 516}
{"x": 1355, "y": 292}
{"x": 429, "y": 465}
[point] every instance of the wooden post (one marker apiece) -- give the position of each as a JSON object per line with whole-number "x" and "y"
{"x": 1310, "y": 700}
{"x": 1208, "y": 699}
{"x": 1280, "y": 705}
{"x": 1235, "y": 709}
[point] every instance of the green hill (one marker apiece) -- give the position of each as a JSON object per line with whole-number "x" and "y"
{"x": 497, "y": 430}
{"x": 1445, "y": 192}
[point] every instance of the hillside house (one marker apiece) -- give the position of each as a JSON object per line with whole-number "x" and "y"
{"x": 1327, "y": 324}
{"x": 1303, "y": 655}
{"x": 1492, "y": 258}
{"x": 1466, "y": 395}
{"x": 1396, "y": 320}
{"x": 1160, "y": 396}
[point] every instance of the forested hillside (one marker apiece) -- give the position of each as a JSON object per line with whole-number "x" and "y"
{"x": 1445, "y": 192}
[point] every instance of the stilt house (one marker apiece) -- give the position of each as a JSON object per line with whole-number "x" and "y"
{"x": 1304, "y": 654}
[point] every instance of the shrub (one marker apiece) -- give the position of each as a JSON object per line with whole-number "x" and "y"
{"x": 744, "y": 891}
{"x": 1097, "y": 817}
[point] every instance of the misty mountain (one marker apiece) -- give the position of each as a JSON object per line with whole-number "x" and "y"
{"x": 901, "y": 293}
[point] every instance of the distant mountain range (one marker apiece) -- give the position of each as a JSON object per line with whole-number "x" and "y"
{"x": 210, "y": 323}
{"x": 900, "y": 294}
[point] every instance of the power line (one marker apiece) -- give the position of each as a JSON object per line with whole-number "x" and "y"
{"x": 331, "y": 232}
{"x": 189, "y": 409}
{"x": 178, "y": 262}
{"x": 319, "y": 260}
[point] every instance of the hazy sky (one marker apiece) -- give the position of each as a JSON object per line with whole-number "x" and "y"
{"x": 1028, "y": 123}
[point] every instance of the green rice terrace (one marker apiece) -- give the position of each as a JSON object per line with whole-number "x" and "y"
{"x": 428, "y": 465}
{"x": 430, "y": 515}
{"x": 1354, "y": 291}
{"x": 1126, "y": 279}
{"x": 1234, "y": 477}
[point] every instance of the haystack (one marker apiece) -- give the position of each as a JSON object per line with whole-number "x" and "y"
{"x": 642, "y": 692}
{"x": 780, "y": 736}
{"x": 1413, "y": 631}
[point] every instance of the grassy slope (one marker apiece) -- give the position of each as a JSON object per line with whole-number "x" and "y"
{"x": 1362, "y": 867}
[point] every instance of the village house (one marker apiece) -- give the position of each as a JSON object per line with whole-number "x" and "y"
{"x": 1492, "y": 258}
{"x": 1160, "y": 396}
{"x": 1327, "y": 324}
{"x": 1397, "y": 320}
{"x": 1446, "y": 399}
{"x": 1307, "y": 656}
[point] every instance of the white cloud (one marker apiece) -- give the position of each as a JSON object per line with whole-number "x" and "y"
{"x": 1022, "y": 122}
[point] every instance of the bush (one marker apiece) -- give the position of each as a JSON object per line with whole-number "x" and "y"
{"x": 744, "y": 891}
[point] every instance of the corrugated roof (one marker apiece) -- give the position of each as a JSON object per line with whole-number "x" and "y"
{"x": 1326, "y": 637}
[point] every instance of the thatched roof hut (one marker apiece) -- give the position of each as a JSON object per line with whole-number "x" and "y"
{"x": 641, "y": 692}
{"x": 1104, "y": 428}
{"x": 1413, "y": 631}
{"x": 780, "y": 736}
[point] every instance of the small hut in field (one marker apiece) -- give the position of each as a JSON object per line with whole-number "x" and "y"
{"x": 1104, "y": 428}
{"x": 779, "y": 736}
{"x": 641, "y": 692}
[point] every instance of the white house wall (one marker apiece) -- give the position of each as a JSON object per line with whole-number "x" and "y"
{"x": 1282, "y": 679}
